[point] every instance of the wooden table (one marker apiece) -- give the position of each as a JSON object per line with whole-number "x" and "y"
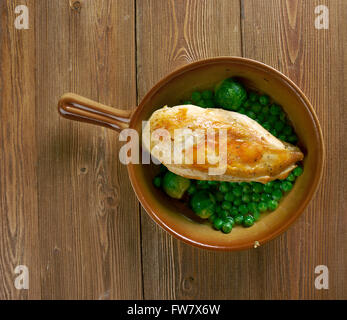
{"x": 67, "y": 209}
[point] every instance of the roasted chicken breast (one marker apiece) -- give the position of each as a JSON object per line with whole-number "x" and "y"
{"x": 199, "y": 134}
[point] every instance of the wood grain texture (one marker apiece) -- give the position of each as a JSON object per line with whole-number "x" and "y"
{"x": 67, "y": 209}
{"x": 314, "y": 60}
{"x": 19, "y": 241}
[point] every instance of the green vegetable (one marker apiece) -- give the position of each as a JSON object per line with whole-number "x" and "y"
{"x": 258, "y": 187}
{"x": 203, "y": 204}
{"x": 191, "y": 189}
{"x": 227, "y": 227}
{"x": 248, "y": 221}
{"x": 237, "y": 191}
{"x": 256, "y": 107}
{"x": 279, "y": 125}
{"x": 231, "y": 220}
{"x": 202, "y": 184}
{"x": 252, "y": 207}
{"x": 272, "y": 205}
{"x": 187, "y": 102}
{"x": 209, "y": 103}
{"x": 286, "y": 186}
{"x": 226, "y": 205}
{"x": 219, "y": 196}
{"x": 234, "y": 211}
{"x": 291, "y": 177}
{"x": 277, "y": 194}
{"x": 243, "y": 209}
{"x": 268, "y": 188}
{"x": 196, "y": 96}
{"x": 251, "y": 114}
{"x": 298, "y": 171}
{"x": 218, "y": 223}
{"x": 246, "y": 188}
{"x": 229, "y": 196}
{"x": 256, "y": 215}
{"x": 253, "y": 96}
{"x": 265, "y": 110}
{"x": 275, "y": 109}
{"x": 264, "y": 100}
{"x": 230, "y": 94}
{"x": 157, "y": 182}
{"x": 207, "y": 94}
{"x": 255, "y": 197}
{"x": 237, "y": 202}
{"x": 212, "y": 217}
{"x": 262, "y": 206}
{"x": 265, "y": 197}
{"x": 246, "y": 197}
{"x": 238, "y": 219}
{"x": 223, "y": 187}
{"x": 175, "y": 186}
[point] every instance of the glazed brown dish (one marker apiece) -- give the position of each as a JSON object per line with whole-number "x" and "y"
{"x": 203, "y": 75}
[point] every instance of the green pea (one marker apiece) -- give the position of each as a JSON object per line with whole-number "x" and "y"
{"x": 229, "y": 196}
{"x": 282, "y": 116}
{"x": 255, "y": 197}
{"x": 272, "y": 205}
{"x": 237, "y": 191}
{"x": 246, "y": 197}
{"x": 187, "y": 102}
{"x": 223, "y": 214}
{"x": 196, "y": 96}
{"x": 292, "y": 138}
{"x": 287, "y": 130}
{"x": 212, "y": 217}
{"x": 276, "y": 184}
{"x": 251, "y": 114}
{"x": 252, "y": 207}
{"x": 231, "y": 220}
{"x": 253, "y": 96}
{"x": 272, "y": 119}
{"x": 274, "y": 132}
{"x": 265, "y": 197}
{"x": 237, "y": 202}
{"x": 268, "y": 188}
{"x": 247, "y": 104}
{"x": 223, "y": 187}
{"x": 265, "y": 110}
{"x": 234, "y": 211}
{"x": 256, "y": 215}
{"x": 262, "y": 206}
{"x": 226, "y": 205}
{"x": 267, "y": 126}
{"x": 248, "y": 221}
{"x": 277, "y": 194}
{"x": 227, "y": 227}
{"x": 286, "y": 186}
{"x": 192, "y": 189}
{"x": 207, "y": 94}
{"x": 219, "y": 196}
{"x": 243, "y": 209}
{"x": 257, "y": 187}
{"x": 261, "y": 117}
{"x": 242, "y": 111}
{"x": 279, "y": 125}
{"x": 264, "y": 100}
{"x": 238, "y": 219}
{"x": 282, "y": 137}
{"x": 246, "y": 188}
{"x": 201, "y": 104}
{"x": 256, "y": 107}
{"x": 275, "y": 109}
{"x": 209, "y": 103}
{"x": 157, "y": 181}
{"x": 298, "y": 171}
{"x": 212, "y": 183}
{"x": 202, "y": 184}
{"x": 218, "y": 223}
{"x": 291, "y": 177}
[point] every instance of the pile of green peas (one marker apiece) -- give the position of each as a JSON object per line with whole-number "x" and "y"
{"x": 226, "y": 204}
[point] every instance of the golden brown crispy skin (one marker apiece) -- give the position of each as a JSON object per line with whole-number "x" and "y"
{"x": 253, "y": 154}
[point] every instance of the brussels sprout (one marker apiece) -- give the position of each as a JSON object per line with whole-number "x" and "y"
{"x": 175, "y": 186}
{"x": 230, "y": 94}
{"x": 203, "y": 204}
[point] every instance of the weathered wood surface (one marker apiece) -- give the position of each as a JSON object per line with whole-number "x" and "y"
{"x": 67, "y": 209}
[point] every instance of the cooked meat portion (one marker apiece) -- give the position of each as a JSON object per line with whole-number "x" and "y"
{"x": 209, "y": 139}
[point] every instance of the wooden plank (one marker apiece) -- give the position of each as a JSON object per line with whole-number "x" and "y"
{"x": 170, "y": 34}
{"x": 285, "y": 37}
{"x": 88, "y": 214}
{"x": 18, "y": 155}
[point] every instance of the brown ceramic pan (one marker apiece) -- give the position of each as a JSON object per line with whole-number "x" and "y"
{"x": 178, "y": 85}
